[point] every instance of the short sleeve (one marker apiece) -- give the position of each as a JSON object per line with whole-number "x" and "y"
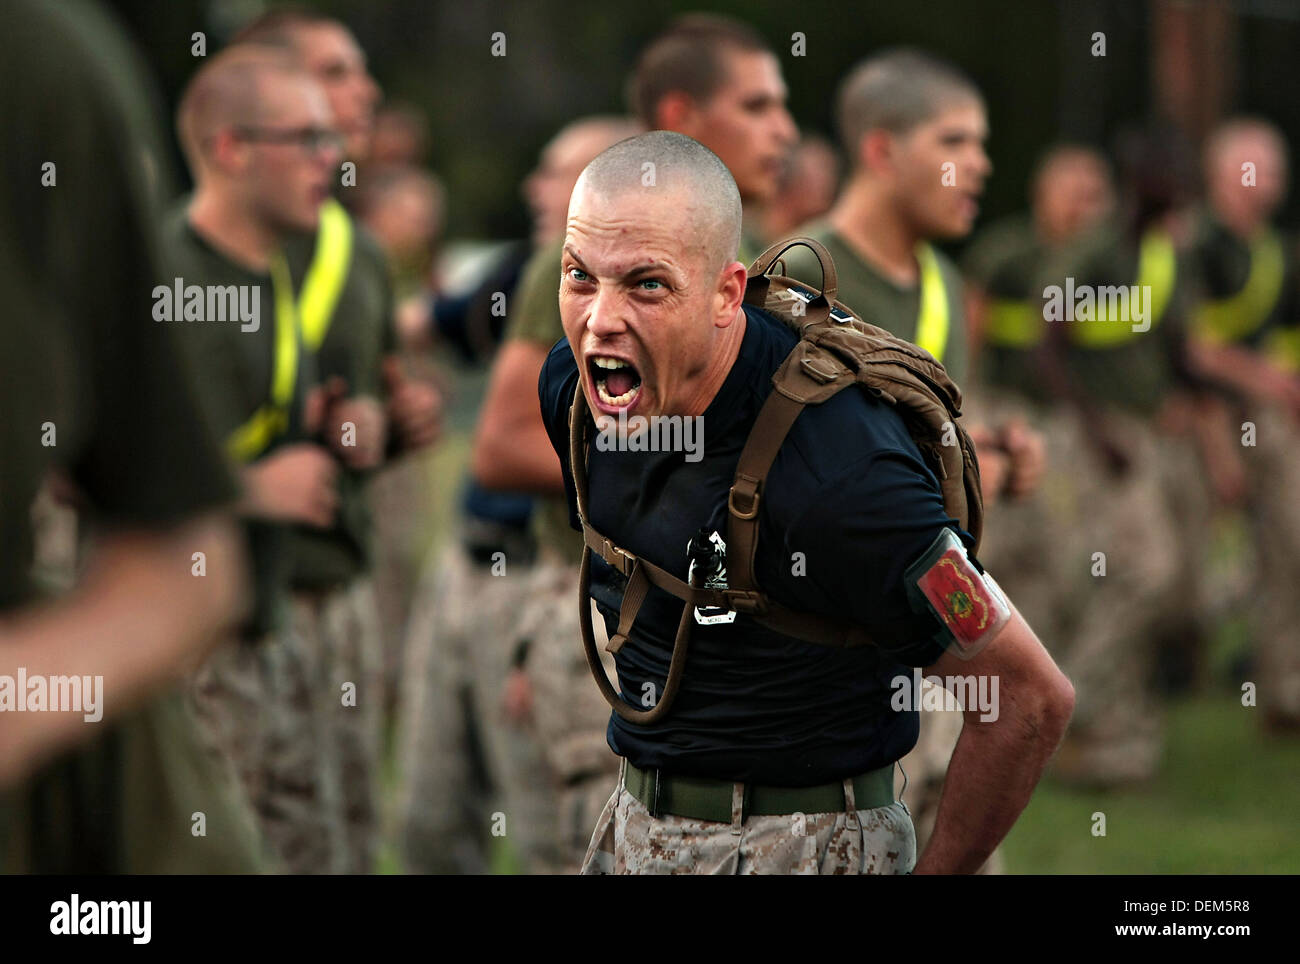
{"x": 536, "y": 316}
{"x": 148, "y": 456}
{"x": 858, "y": 536}
{"x": 555, "y": 387}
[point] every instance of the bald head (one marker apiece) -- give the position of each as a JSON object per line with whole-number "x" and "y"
{"x": 1071, "y": 190}
{"x": 236, "y": 88}
{"x": 1246, "y": 172}
{"x": 550, "y": 185}
{"x": 685, "y": 174}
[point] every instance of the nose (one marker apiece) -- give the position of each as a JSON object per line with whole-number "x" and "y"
{"x": 605, "y": 317}
{"x": 786, "y": 129}
{"x": 371, "y": 92}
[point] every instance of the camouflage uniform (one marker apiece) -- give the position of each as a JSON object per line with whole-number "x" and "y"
{"x": 1143, "y": 519}
{"x": 569, "y": 715}
{"x": 875, "y": 841}
{"x": 456, "y": 745}
{"x": 1225, "y": 266}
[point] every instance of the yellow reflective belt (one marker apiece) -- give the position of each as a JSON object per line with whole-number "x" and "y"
{"x": 251, "y": 439}
{"x": 1157, "y": 269}
{"x": 1283, "y": 346}
{"x": 932, "y": 320}
{"x": 325, "y": 277}
{"x": 1013, "y": 324}
{"x": 1232, "y": 319}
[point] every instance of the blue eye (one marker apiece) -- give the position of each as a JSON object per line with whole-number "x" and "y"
{"x": 577, "y": 274}
{"x": 652, "y": 281}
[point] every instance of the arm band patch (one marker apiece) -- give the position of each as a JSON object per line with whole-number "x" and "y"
{"x": 968, "y": 602}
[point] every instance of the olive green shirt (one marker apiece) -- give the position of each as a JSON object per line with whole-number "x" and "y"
{"x": 360, "y": 334}
{"x": 1006, "y": 260}
{"x": 1138, "y": 373}
{"x": 92, "y": 385}
{"x": 231, "y": 369}
{"x": 535, "y": 317}
{"x": 881, "y": 302}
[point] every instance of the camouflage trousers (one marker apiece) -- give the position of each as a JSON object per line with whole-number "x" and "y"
{"x": 570, "y": 717}
{"x": 1273, "y": 468}
{"x": 299, "y": 715}
{"x": 1100, "y": 566}
{"x": 468, "y": 775}
{"x": 1119, "y": 572}
{"x": 628, "y": 840}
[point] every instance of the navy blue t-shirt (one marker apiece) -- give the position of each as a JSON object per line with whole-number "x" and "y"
{"x": 851, "y": 493}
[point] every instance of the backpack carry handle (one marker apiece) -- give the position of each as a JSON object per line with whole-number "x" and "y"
{"x": 763, "y": 264}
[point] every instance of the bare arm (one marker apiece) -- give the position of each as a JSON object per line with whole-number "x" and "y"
{"x": 997, "y": 764}
{"x": 511, "y": 448}
{"x": 138, "y": 619}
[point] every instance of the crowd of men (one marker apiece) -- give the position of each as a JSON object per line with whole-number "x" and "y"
{"x": 322, "y": 624}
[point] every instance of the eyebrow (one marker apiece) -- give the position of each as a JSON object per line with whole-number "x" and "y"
{"x": 634, "y": 272}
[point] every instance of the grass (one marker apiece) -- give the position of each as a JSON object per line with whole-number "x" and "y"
{"x": 1225, "y": 801}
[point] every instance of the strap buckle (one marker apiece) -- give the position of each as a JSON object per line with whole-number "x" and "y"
{"x": 751, "y": 496}
{"x": 619, "y": 559}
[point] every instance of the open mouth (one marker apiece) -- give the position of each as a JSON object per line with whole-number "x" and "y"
{"x": 617, "y": 382}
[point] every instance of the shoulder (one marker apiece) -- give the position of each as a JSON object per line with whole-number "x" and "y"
{"x": 536, "y": 316}
{"x": 556, "y": 384}
{"x": 367, "y": 253}
{"x": 832, "y": 445}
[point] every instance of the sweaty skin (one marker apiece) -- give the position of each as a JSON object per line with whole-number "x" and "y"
{"x": 631, "y": 291}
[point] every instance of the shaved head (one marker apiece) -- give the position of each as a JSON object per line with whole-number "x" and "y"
{"x": 676, "y": 167}
{"x": 897, "y": 91}
{"x": 230, "y": 90}
{"x": 550, "y": 185}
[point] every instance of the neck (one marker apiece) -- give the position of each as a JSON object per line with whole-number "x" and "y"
{"x": 228, "y": 227}
{"x": 868, "y": 221}
{"x": 1244, "y": 225}
{"x": 719, "y": 367}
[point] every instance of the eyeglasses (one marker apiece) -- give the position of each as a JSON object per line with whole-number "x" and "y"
{"x": 312, "y": 140}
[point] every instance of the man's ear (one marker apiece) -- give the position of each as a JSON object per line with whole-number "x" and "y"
{"x": 227, "y": 150}
{"x": 676, "y": 111}
{"x": 876, "y": 150}
{"x": 731, "y": 293}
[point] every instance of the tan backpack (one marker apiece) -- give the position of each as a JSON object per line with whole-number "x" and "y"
{"x": 837, "y": 349}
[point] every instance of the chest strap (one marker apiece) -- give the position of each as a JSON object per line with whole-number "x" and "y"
{"x": 774, "y": 420}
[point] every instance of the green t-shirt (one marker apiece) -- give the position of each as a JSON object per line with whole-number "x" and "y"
{"x": 79, "y": 350}
{"x": 1006, "y": 260}
{"x": 232, "y": 369}
{"x": 1138, "y": 372}
{"x": 535, "y": 317}
{"x": 360, "y": 334}
{"x": 881, "y": 302}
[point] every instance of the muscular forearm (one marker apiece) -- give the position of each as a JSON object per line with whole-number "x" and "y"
{"x": 140, "y": 618}
{"x": 991, "y": 777}
{"x": 998, "y": 760}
